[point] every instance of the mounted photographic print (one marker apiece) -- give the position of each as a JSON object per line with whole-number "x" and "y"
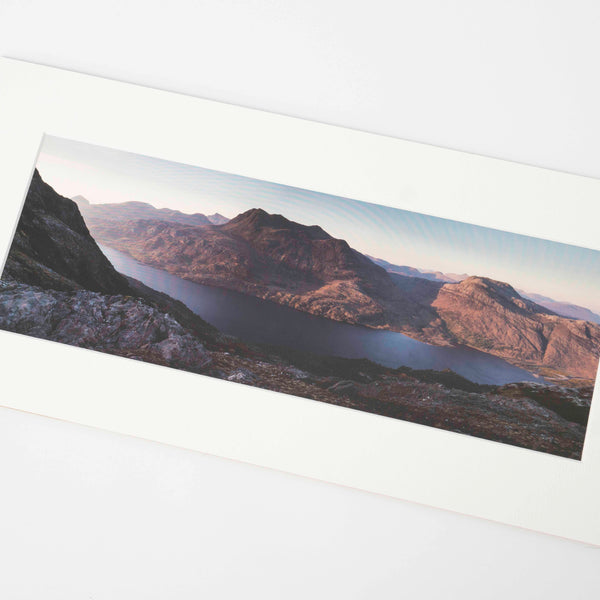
{"x": 413, "y": 317}
{"x": 385, "y": 315}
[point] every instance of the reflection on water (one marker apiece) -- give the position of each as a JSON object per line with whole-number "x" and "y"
{"x": 261, "y": 321}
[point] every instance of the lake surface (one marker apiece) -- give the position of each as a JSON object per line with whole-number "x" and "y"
{"x": 260, "y": 321}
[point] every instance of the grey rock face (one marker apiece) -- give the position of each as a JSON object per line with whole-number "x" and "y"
{"x": 116, "y": 324}
{"x": 242, "y": 376}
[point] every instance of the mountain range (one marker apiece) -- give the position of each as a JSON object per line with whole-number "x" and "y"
{"x": 273, "y": 258}
{"x": 59, "y": 286}
{"x": 564, "y": 309}
{"x": 423, "y": 273}
{"x": 142, "y": 210}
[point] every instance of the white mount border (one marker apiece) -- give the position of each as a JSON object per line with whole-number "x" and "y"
{"x": 348, "y": 447}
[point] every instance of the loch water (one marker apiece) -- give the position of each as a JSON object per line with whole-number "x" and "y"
{"x": 260, "y": 321}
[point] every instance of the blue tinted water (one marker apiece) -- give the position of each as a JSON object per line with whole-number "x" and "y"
{"x": 260, "y": 321}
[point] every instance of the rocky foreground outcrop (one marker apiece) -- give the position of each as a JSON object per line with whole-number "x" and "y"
{"x": 120, "y": 325}
{"x": 544, "y": 418}
{"x": 548, "y": 419}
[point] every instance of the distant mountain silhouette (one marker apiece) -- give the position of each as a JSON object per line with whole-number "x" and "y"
{"x": 143, "y": 210}
{"x": 217, "y": 219}
{"x": 423, "y": 273}
{"x": 565, "y": 309}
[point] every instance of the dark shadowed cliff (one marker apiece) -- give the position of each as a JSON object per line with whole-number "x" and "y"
{"x": 53, "y": 248}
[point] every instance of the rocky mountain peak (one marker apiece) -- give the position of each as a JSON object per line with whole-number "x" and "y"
{"x": 493, "y": 285}
{"x": 135, "y": 209}
{"x": 41, "y": 198}
{"x": 53, "y": 248}
{"x": 217, "y": 219}
{"x": 492, "y": 290}
{"x": 257, "y": 219}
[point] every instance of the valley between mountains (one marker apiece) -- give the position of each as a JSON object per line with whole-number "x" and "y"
{"x": 58, "y": 285}
{"x": 305, "y": 268}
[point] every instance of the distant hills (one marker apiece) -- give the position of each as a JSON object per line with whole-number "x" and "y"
{"x": 143, "y": 210}
{"x": 564, "y": 309}
{"x": 493, "y": 316}
{"x": 303, "y": 267}
{"x": 413, "y": 272}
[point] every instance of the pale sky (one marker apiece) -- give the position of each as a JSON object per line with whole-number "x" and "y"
{"x": 560, "y": 271}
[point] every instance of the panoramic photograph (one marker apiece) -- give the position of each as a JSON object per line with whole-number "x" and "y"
{"x": 409, "y": 316}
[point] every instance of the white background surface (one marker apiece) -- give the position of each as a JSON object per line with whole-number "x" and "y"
{"x": 86, "y": 513}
